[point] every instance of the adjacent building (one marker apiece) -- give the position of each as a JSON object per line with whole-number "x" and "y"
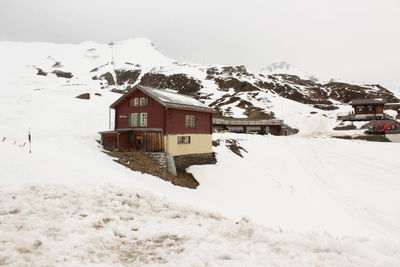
{"x": 365, "y": 110}
{"x": 236, "y": 125}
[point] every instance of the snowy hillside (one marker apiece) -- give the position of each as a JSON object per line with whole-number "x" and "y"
{"x": 303, "y": 200}
{"x": 232, "y": 90}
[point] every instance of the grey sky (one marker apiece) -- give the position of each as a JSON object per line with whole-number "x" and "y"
{"x": 357, "y": 40}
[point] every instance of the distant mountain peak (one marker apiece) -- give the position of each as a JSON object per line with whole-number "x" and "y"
{"x": 283, "y": 67}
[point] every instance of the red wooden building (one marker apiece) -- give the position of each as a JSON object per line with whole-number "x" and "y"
{"x": 155, "y": 120}
{"x": 365, "y": 110}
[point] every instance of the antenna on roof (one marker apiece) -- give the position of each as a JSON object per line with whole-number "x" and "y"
{"x": 111, "y": 44}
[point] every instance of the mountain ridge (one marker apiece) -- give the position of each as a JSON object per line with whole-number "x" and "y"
{"x": 233, "y": 91}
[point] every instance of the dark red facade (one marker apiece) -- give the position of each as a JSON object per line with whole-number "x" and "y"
{"x": 170, "y": 120}
{"x": 175, "y": 122}
{"x": 161, "y": 120}
{"x": 155, "y": 112}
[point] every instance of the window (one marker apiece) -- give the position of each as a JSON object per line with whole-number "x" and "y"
{"x": 190, "y": 121}
{"x": 134, "y": 102}
{"x": 144, "y": 101}
{"x": 143, "y": 119}
{"x": 183, "y": 139}
{"x": 137, "y": 119}
{"x": 369, "y": 108}
{"x": 133, "y": 119}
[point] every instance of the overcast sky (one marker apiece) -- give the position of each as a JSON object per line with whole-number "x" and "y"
{"x": 356, "y": 40}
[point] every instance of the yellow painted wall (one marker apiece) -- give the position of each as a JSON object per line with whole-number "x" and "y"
{"x": 199, "y": 143}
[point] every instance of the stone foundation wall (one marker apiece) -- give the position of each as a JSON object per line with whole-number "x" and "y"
{"x": 184, "y": 161}
{"x": 160, "y": 158}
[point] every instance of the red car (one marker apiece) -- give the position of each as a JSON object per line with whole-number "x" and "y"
{"x": 384, "y": 128}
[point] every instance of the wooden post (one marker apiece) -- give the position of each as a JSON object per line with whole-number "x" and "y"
{"x": 118, "y": 140}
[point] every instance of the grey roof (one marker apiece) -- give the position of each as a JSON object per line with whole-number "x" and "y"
{"x": 244, "y": 122}
{"x": 368, "y": 101}
{"x": 168, "y": 98}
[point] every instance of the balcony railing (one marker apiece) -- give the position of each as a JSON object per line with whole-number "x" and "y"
{"x": 351, "y": 116}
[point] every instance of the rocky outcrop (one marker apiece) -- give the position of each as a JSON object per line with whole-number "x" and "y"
{"x": 41, "y": 72}
{"x": 127, "y": 76}
{"x": 62, "y": 74}
{"x": 180, "y": 82}
{"x": 83, "y": 96}
{"x": 109, "y": 78}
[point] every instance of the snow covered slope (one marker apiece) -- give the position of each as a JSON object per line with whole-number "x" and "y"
{"x": 233, "y": 90}
{"x": 325, "y": 201}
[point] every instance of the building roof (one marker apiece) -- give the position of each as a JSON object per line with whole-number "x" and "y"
{"x": 368, "y": 101}
{"x": 168, "y": 99}
{"x": 245, "y": 122}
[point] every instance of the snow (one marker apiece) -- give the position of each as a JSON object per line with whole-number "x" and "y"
{"x": 45, "y": 225}
{"x": 172, "y": 97}
{"x": 285, "y": 68}
{"x": 300, "y": 200}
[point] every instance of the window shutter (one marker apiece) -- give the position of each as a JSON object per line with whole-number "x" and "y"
{"x": 134, "y": 119}
{"x": 146, "y": 101}
{"x": 130, "y": 120}
{"x": 138, "y": 119}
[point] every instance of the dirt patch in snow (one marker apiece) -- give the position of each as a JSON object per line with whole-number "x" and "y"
{"x": 83, "y": 96}
{"x": 139, "y": 161}
{"x": 372, "y": 138}
{"x": 234, "y": 146}
{"x": 345, "y": 127}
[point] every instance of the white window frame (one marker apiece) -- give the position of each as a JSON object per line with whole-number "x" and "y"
{"x": 183, "y": 139}
{"x": 143, "y": 119}
{"x": 144, "y": 101}
{"x": 134, "y": 119}
{"x": 136, "y": 102}
{"x": 190, "y": 121}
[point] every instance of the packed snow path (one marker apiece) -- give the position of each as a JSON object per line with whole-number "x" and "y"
{"x": 43, "y": 225}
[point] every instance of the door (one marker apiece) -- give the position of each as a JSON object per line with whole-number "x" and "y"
{"x": 140, "y": 142}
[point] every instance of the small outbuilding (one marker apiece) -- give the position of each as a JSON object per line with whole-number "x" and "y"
{"x": 365, "y": 110}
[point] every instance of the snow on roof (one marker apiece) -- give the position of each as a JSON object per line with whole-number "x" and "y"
{"x": 169, "y": 98}
{"x": 173, "y": 99}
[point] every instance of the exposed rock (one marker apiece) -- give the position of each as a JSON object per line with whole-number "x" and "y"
{"x": 239, "y": 86}
{"x": 57, "y": 65}
{"x": 118, "y": 91}
{"x": 184, "y": 161}
{"x": 235, "y": 147}
{"x": 109, "y": 78}
{"x": 184, "y": 84}
{"x": 127, "y": 76}
{"x": 344, "y": 92}
{"x": 345, "y": 127}
{"x": 98, "y": 94}
{"x": 62, "y": 74}
{"x": 41, "y": 72}
{"x": 83, "y": 96}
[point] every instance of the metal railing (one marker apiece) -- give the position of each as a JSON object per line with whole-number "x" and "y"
{"x": 244, "y": 122}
